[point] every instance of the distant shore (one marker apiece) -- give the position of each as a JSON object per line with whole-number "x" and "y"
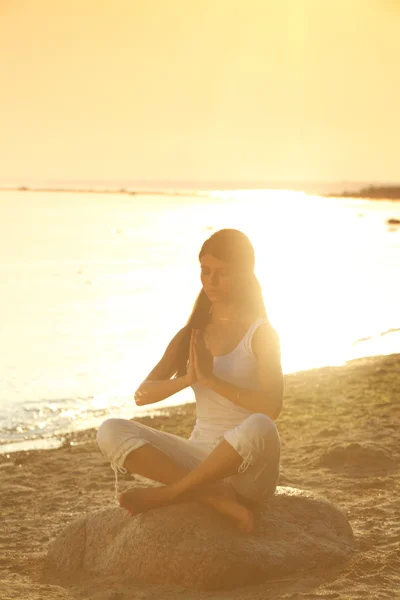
{"x": 100, "y": 191}
{"x": 371, "y": 192}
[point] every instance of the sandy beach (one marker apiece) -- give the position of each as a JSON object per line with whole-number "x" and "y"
{"x": 340, "y": 438}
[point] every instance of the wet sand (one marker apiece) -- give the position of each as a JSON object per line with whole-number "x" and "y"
{"x": 340, "y": 433}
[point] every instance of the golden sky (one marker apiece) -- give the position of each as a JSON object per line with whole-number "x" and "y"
{"x": 199, "y": 90}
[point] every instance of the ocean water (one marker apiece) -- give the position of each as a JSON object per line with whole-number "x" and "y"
{"x": 93, "y": 287}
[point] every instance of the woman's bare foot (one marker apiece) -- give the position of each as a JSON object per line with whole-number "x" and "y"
{"x": 222, "y": 497}
{"x": 225, "y": 500}
{"x": 138, "y": 500}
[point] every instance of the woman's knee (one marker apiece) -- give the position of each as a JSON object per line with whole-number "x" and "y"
{"x": 261, "y": 436}
{"x": 108, "y": 435}
{"x": 259, "y": 425}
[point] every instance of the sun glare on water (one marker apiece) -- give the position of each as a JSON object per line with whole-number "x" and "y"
{"x": 308, "y": 261}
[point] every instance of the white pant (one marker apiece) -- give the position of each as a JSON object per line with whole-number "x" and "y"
{"x": 256, "y": 440}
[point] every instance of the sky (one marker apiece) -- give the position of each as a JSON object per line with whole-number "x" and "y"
{"x": 199, "y": 91}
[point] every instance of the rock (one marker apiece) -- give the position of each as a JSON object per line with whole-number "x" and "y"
{"x": 364, "y": 457}
{"x": 193, "y": 546}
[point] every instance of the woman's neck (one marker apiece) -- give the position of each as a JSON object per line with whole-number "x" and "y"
{"x": 226, "y": 313}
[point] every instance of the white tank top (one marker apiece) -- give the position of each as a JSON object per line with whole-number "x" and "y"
{"x": 215, "y": 413}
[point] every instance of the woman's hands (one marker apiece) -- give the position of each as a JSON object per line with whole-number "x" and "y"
{"x": 201, "y": 360}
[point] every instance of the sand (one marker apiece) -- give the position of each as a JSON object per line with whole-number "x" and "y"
{"x": 340, "y": 439}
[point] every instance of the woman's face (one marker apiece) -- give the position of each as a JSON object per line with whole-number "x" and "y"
{"x": 219, "y": 279}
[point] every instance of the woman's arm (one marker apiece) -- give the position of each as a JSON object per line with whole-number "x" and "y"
{"x": 150, "y": 392}
{"x": 158, "y": 385}
{"x": 268, "y": 400}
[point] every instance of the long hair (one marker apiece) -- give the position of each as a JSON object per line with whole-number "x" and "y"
{"x": 234, "y": 247}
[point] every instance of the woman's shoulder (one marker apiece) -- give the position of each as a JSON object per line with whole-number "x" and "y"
{"x": 264, "y": 336}
{"x": 258, "y": 323}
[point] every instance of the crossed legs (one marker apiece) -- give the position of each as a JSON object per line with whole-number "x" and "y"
{"x": 189, "y": 473}
{"x": 204, "y": 483}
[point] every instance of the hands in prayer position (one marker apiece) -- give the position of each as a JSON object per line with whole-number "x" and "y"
{"x": 201, "y": 360}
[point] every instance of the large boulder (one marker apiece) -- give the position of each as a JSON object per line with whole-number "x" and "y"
{"x": 193, "y": 546}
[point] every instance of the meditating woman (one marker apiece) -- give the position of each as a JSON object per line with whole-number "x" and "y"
{"x": 229, "y": 354}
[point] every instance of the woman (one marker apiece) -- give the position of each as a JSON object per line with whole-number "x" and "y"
{"x": 229, "y": 354}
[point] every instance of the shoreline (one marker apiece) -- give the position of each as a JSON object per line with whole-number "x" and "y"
{"x": 339, "y": 433}
{"x": 158, "y": 413}
{"x": 173, "y": 418}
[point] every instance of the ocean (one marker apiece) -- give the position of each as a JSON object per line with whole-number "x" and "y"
{"x": 93, "y": 287}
